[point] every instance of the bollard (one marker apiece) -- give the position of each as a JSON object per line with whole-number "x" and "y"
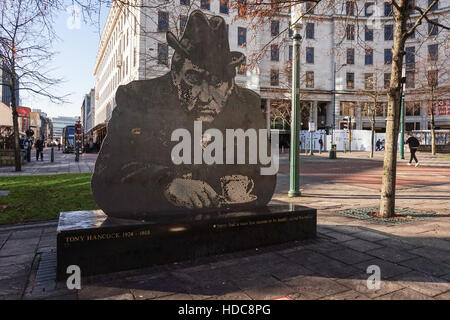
{"x": 52, "y": 155}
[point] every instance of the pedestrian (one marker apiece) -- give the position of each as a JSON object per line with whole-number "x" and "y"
{"x": 39, "y": 145}
{"x": 320, "y": 144}
{"x": 59, "y": 145}
{"x": 29, "y": 145}
{"x": 413, "y": 144}
{"x": 378, "y": 145}
{"x": 25, "y": 148}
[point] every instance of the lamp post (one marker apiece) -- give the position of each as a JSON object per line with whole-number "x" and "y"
{"x": 294, "y": 190}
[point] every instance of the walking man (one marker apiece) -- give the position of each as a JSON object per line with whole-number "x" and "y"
{"x": 413, "y": 146}
{"x": 39, "y": 145}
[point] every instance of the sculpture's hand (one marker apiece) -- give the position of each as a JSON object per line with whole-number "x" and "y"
{"x": 193, "y": 194}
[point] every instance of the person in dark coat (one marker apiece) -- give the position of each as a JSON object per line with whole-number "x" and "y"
{"x": 135, "y": 175}
{"x": 39, "y": 145}
{"x": 413, "y": 144}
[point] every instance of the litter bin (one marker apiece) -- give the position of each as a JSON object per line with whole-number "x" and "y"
{"x": 333, "y": 152}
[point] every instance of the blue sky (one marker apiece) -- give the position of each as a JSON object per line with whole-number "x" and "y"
{"x": 74, "y": 63}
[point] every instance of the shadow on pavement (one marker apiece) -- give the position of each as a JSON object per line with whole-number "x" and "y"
{"x": 335, "y": 262}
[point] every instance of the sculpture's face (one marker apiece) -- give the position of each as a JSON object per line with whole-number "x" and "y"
{"x": 203, "y": 94}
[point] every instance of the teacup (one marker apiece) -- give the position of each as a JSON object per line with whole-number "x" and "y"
{"x": 237, "y": 189}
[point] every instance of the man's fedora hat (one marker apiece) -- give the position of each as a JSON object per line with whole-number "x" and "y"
{"x": 205, "y": 43}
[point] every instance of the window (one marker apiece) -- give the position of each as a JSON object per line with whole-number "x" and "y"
{"x": 410, "y": 79}
{"x": 291, "y": 48}
{"x": 183, "y": 20}
{"x": 274, "y": 77}
{"x": 163, "y": 53}
{"x": 242, "y": 36}
{"x": 368, "y": 108}
{"x": 243, "y": 67}
{"x": 308, "y": 6}
{"x": 368, "y": 58}
{"x": 408, "y": 27}
{"x": 350, "y": 8}
{"x": 435, "y": 6}
{"x": 350, "y": 56}
{"x": 163, "y": 21}
{"x": 387, "y": 56}
{"x": 368, "y": 9}
{"x": 205, "y": 4}
{"x": 412, "y": 4}
{"x": 309, "y": 55}
{"x": 388, "y": 32}
{"x": 274, "y": 52}
{"x": 350, "y": 32}
{"x": 224, "y": 6}
{"x": 347, "y": 108}
{"x": 310, "y": 30}
{"x": 185, "y": 2}
{"x": 368, "y": 81}
{"x": 290, "y": 32}
{"x": 368, "y": 34}
{"x": 387, "y": 80}
{"x": 433, "y": 52}
{"x": 432, "y": 28}
{"x": 350, "y": 80}
{"x": 412, "y": 108}
{"x": 274, "y": 28}
{"x": 432, "y": 78}
{"x": 310, "y": 79}
{"x": 387, "y": 9}
{"x": 410, "y": 58}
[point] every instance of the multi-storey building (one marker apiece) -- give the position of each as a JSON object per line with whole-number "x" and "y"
{"x": 88, "y": 111}
{"x": 5, "y": 78}
{"x": 346, "y": 62}
{"x": 59, "y": 123}
{"x": 345, "y": 58}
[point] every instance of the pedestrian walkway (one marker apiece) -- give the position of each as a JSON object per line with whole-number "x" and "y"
{"x": 414, "y": 262}
{"x": 63, "y": 163}
{"x": 414, "y": 258}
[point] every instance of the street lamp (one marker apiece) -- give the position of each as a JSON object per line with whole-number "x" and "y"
{"x": 294, "y": 190}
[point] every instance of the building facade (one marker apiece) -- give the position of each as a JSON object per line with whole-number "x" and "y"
{"x": 59, "y": 123}
{"x": 346, "y": 65}
{"x": 345, "y": 60}
{"x": 5, "y": 92}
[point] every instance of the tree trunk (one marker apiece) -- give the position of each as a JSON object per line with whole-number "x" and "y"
{"x": 17, "y": 150}
{"x": 387, "y": 201}
{"x": 12, "y": 87}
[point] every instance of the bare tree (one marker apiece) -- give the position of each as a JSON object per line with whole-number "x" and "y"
{"x": 402, "y": 31}
{"x": 26, "y": 35}
{"x": 434, "y": 81}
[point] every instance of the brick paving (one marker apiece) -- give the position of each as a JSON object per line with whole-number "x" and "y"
{"x": 414, "y": 258}
{"x": 63, "y": 163}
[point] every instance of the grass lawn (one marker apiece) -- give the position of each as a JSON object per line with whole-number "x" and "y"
{"x": 43, "y": 197}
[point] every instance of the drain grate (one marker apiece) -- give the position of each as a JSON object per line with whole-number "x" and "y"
{"x": 45, "y": 280}
{"x": 402, "y": 215}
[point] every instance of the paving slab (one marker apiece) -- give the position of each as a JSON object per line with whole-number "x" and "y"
{"x": 424, "y": 265}
{"x": 405, "y": 294}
